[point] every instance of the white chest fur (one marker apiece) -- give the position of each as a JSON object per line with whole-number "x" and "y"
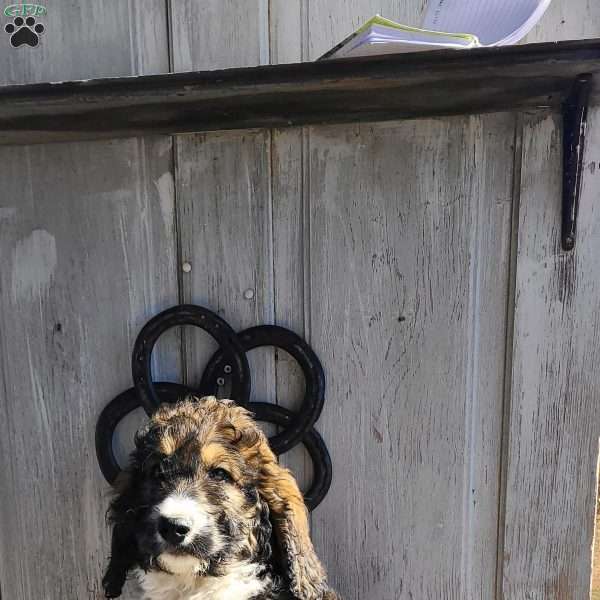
{"x": 240, "y": 583}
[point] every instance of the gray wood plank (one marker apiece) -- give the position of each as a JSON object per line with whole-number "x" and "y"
{"x": 87, "y": 242}
{"x": 291, "y": 264}
{"x": 223, "y": 186}
{"x": 409, "y": 250}
{"x": 554, "y": 424}
{"x": 288, "y": 32}
{"x": 217, "y": 34}
{"x": 225, "y": 212}
{"x": 300, "y": 33}
{"x": 91, "y": 38}
{"x": 553, "y": 428}
{"x": 567, "y": 20}
{"x": 327, "y": 23}
{"x": 89, "y": 254}
{"x": 238, "y": 192}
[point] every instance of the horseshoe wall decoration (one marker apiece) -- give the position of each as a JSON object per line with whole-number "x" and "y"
{"x": 228, "y": 366}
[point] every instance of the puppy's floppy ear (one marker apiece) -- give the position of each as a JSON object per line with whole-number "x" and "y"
{"x": 123, "y": 552}
{"x": 307, "y": 577}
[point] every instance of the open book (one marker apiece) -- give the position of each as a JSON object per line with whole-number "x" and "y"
{"x": 448, "y": 24}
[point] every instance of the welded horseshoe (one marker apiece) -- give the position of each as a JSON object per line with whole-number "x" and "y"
{"x": 272, "y": 335}
{"x": 228, "y": 364}
{"x": 116, "y": 410}
{"x": 314, "y": 444}
{"x": 219, "y": 329}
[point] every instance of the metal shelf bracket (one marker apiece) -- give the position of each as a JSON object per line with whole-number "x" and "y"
{"x": 574, "y": 113}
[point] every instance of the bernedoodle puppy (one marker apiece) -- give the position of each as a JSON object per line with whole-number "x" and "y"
{"x": 204, "y": 512}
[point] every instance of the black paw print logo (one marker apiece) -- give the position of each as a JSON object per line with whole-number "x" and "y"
{"x": 24, "y": 31}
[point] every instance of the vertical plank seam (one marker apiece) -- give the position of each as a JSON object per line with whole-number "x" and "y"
{"x": 264, "y": 29}
{"x": 266, "y": 57}
{"x": 134, "y": 55}
{"x": 272, "y": 170}
{"x": 305, "y": 241}
{"x": 176, "y": 208}
{"x": 270, "y": 30}
{"x": 508, "y": 353}
{"x": 170, "y": 46}
{"x": 306, "y": 231}
{"x": 140, "y": 174}
{"x": 305, "y": 237}
{"x": 304, "y": 30}
{"x": 305, "y": 183}
{"x": 5, "y": 407}
{"x": 471, "y": 375}
{"x": 272, "y": 304}
{"x": 271, "y": 149}
{"x": 177, "y": 233}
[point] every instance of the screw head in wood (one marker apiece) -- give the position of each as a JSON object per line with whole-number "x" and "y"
{"x": 186, "y": 267}
{"x": 249, "y": 294}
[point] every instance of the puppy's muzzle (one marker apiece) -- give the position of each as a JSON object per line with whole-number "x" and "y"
{"x": 173, "y": 531}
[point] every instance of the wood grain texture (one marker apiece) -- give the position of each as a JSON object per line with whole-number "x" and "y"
{"x": 354, "y": 561}
{"x": 89, "y": 254}
{"x": 554, "y": 423}
{"x": 553, "y": 430}
{"x": 223, "y": 183}
{"x": 218, "y": 34}
{"x": 387, "y": 246}
{"x": 291, "y": 268}
{"x": 225, "y": 227}
{"x": 79, "y": 280}
{"x": 567, "y": 20}
{"x": 328, "y": 22}
{"x": 257, "y": 244}
{"x": 223, "y": 187}
{"x": 409, "y": 242}
{"x": 91, "y": 38}
{"x": 291, "y": 261}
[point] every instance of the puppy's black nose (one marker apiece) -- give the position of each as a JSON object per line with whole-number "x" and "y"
{"x": 172, "y": 531}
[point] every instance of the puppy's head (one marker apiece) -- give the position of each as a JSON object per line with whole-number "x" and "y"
{"x": 197, "y": 496}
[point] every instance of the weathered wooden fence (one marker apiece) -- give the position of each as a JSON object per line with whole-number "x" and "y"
{"x": 421, "y": 259}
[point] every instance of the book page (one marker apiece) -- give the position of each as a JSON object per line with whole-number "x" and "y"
{"x": 382, "y": 36}
{"x": 494, "y": 22}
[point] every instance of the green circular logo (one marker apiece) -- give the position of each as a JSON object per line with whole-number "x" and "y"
{"x": 25, "y": 10}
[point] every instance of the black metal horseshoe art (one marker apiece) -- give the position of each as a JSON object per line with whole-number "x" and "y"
{"x": 314, "y": 397}
{"x": 188, "y": 314}
{"x": 228, "y": 365}
{"x": 314, "y": 444}
{"x": 116, "y": 410}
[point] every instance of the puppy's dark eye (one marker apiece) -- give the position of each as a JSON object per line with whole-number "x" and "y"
{"x": 219, "y": 474}
{"x": 156, "y": 472}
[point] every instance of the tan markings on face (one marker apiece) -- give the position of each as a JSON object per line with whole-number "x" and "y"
{"x": 236, "y": 502}
{"x": 224, "y": 435}
{"x": 167, "y": 444}
{"x": 180, "y": 434}
{"x": 216, "y": 456}
{"x": 212, "y": 454}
